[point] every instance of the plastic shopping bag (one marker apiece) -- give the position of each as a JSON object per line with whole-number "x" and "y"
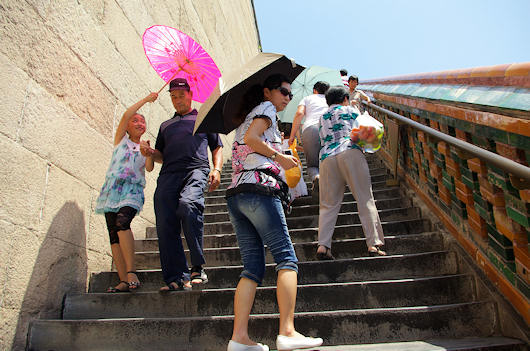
{"x": 294, "y": 174}
{"x": 367, "y": 132}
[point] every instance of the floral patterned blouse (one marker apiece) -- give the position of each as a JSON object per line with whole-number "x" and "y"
{"x": 334, "y": 132}
{"x": 246, "y": 162}
{"x": 125, "y": 179}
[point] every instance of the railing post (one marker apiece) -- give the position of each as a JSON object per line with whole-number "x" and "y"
{"x": 393, "y": 142}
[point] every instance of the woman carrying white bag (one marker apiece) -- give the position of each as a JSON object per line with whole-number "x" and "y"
{"x": 343, "y": 141}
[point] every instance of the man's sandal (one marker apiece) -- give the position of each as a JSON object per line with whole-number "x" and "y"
{"x": 116, "y": 290}
{"x": 133, "y": 285}
{"x": 199, "y": 277}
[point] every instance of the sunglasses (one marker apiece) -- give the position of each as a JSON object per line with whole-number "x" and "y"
{"x": 285, "y": 92}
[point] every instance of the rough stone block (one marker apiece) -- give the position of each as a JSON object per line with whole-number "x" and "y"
{"x": 128, "y": 42}
{"x": 96, "y": 8}
{"x": 109, "y": 66}
{"x": 97, "y": 235}
{"x": 53, "y": 65}
{"x": 67, "y": 208}
{"x": 13, "y": 83}
{"x": 6, "y": 234}
{"x": 13, "y": 329}
{"x": 56, "y": 134}
{"x": 23, "y": 183}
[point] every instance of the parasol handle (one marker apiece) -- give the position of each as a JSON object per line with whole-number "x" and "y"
{"x": 170, "y": 79}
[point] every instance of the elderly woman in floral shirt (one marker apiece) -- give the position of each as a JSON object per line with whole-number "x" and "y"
{"x": 342, "y": 162}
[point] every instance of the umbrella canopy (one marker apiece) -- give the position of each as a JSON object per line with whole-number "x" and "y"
{"x": 303, "y": 86}
{"x": 219, "y": 112}
{"x": 174, "y": 54}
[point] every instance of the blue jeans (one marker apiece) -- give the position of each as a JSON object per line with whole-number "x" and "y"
{"x": 179, "y": 205}
{"x": 259, "y": 220}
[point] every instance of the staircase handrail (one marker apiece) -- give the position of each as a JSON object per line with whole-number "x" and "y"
{"x": 515, "y": 169}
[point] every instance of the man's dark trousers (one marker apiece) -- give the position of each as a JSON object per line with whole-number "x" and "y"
{"x": 179, "y": 204}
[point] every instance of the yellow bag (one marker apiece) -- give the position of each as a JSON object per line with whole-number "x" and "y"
{"x": 293, "y": 175}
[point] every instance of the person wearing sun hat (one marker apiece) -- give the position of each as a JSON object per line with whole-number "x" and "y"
{"x": 179, "y": 194}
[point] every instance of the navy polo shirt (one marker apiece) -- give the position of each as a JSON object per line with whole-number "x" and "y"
{"x": 181, "y": 150}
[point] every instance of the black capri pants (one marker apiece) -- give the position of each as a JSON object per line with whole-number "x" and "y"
{"x": 117, "y": 221}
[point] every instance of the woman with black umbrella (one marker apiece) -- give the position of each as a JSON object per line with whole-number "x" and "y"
{"x": 255, "y": 198}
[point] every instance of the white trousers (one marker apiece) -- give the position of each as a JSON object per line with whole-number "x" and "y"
{"x": 348, "y": 167}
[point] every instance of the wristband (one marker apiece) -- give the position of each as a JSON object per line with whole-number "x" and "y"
{"x": 217, "y": 169}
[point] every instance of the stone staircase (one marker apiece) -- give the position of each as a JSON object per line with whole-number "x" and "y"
{"x": 417, "y": 298}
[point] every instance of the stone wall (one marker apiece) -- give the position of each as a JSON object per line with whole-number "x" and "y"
{"x": 68, "y": 70}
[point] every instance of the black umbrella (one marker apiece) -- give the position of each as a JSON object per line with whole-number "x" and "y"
{"x": 219, "y": 112}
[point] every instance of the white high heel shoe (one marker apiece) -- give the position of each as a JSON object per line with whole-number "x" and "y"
{"x": 300, "y": 342}
{"x": 235, "y": 346}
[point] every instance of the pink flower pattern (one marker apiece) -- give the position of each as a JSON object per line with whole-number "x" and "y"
{"x": 245, "y": 161}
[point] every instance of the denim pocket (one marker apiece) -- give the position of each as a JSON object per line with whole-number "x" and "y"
{"x": 249, "y": 202}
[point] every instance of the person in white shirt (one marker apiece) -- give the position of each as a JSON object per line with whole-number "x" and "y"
{"x": 311, "y": 107}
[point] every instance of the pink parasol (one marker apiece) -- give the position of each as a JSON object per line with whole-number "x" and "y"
{"x": 174, "y": 54}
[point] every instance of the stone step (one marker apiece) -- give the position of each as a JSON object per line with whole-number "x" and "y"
{"x": 312, "y": 221}
{"x": 347, "y": 248}
{"x": 406, "y": 266}
{"x": 314, "y": 297}
{"x": 213, "y": 197}
{"x": 213, "y": 332}
{"x": 218, "y": 203}
{"x": 399, "y": 227}
{"x": 377, "y": 177}
{"x": 313, "y": 210}
{"x": 350, "y": 206}
{"x": 464, "y": 344}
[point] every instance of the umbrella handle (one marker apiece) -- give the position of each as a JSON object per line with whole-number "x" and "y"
{"x": 170, "y": 79}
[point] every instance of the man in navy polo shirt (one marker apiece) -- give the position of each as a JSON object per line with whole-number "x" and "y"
{"x": 179, "y": 198}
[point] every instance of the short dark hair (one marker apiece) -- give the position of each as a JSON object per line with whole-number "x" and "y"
{"x": 285, "y": 127}
{"x": 336, "y": 94}
{"x": 254, "y": 95}
{"x": 343, "y": 72}
{"x": 355, "y": 78}
{"x": 321, "y": 87}
{"x": 275, "y": 81}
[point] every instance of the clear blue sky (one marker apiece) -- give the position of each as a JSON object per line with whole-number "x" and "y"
{"x": 383, "y": 38}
